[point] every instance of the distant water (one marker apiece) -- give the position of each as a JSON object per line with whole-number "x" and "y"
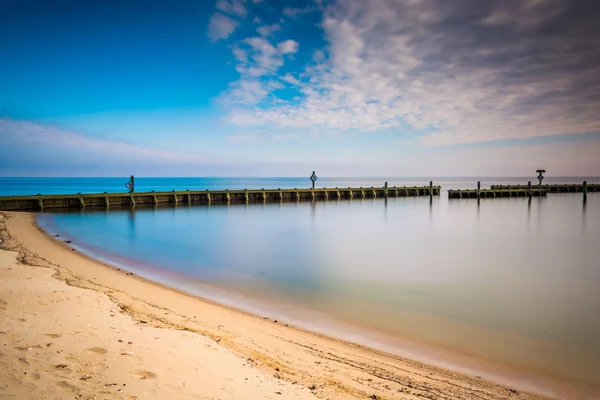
{"x": 507, "y": 280}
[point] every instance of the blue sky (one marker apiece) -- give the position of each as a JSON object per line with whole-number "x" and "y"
{"x": 271, "y": 88}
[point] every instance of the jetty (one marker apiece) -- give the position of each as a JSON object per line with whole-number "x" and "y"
{"x": 557, "y": 188}
{"x": 528, "y": 190}
{"x": 42, "y": 202}
{"x": 495, "y": 193}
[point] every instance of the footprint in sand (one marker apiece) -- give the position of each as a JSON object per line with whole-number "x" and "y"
{"x": 64, "y": 386}
{"x": 53, "y": 335}
{"x": 24, "y": 361}
{"x": 144, "y": 374}
{"x": 34, "y": 376}
{"x": 97, "y": 350}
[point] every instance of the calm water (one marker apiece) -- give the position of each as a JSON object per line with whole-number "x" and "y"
{"x": 507, "y": 280}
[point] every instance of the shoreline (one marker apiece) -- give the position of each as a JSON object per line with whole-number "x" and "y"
{"x": 296, "y": 355}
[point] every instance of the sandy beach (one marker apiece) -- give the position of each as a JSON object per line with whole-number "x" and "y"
{"x": 71, "y": 327}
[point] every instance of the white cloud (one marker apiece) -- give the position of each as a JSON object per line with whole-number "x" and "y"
{"x": 268, "y": 30}
{"x": 287, "y": 47}
{"x": 33, "y": 136}
{"x": 290, "y": 79}
{"x": 246, "y": 91}
{"x": 233, "y": 7}
{"x": 407, "y": 64}
{"x": 221, "y": 27}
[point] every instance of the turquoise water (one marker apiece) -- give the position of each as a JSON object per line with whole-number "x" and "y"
{"x": 509, "y": 280}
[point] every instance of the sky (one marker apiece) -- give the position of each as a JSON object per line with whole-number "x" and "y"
{"x": 282, "y": 88}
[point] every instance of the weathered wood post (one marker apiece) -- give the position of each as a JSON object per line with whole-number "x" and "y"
{"x": 246, "y": 195}
{"x": 529, "y": 189}
{"x": 585, "y": 191}
{"x": 478, "y": 190}
{"x": 189, "y": 197}
{"x": 385, "y": 187}
{"x": 430, "y": 188}
{"x": 227, "y": 196}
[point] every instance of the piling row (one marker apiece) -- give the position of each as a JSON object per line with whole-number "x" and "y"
{"x": 558, "y": 188}
{"x": 78, "y": 201}
{"x": 495, "y": 193}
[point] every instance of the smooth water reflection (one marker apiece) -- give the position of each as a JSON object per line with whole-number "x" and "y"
{"x": 511, "y": 280}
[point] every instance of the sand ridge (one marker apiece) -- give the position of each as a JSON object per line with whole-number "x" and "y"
{"x": 74, "y": 327}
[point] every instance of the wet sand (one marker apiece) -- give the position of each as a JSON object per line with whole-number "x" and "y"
{"x": 71, "y": 327}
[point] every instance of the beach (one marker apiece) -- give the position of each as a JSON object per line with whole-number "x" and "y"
{"x": 72, "y": 327}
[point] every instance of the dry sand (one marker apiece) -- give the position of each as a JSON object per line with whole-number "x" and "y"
{"x": 71, "y": 327}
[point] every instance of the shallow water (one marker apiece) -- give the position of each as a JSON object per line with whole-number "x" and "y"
{"x": 507, "y": 280}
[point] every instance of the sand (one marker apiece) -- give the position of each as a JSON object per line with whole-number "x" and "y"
{"x": 71, "y": 327}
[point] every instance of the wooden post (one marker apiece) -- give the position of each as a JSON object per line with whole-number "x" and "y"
{"x": 430, "y": 188}
{"x": 478, "y": 189}
{"x": 529, "y": 189}
{"x": 385, "y": 187}
{"x": 208, "y": 196}
{"x": 106, "y": 202}
{"x": 246, "y": 195}
{"x": 227, "y": 196}
{"x": 585, "y": 189}
{"x": 374, "y": 192}
{"x": 264, "y": 195}
{"x": 175, "y": 197}
{"x": 189, "y": 197}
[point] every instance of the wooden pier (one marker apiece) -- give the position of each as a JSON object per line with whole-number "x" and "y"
{"x": 558, "y": 188}
{"x": 190, "y": 197}
{"x": 528, "y": 190}
{"x": 495, "y": 193}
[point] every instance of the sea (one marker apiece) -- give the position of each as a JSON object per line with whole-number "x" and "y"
{"x": 505, "y": 288}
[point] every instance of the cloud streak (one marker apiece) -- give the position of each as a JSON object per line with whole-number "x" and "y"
{"x": 452, "y": 73}
{"x": 221, "y": 27}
